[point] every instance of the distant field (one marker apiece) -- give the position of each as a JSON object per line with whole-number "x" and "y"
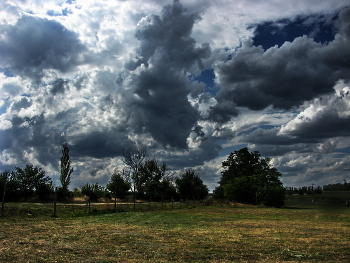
{"x": 304, "y": 231}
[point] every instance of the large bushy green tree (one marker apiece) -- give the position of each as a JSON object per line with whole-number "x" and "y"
{"x": 249, "y": 178}
{"x": 155, "y": 181}
{"x": 190, "y": 186}
{"x": 29, "y": 182}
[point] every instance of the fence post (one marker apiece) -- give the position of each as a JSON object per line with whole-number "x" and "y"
{"x": 55, "y": 204}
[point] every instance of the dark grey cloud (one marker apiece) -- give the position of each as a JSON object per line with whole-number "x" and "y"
{"x": 223, "y": 111}
{"x": 327, "y": 125}
{"x": 197, "y": 88}
{"x": 79, "y": 82}
{"x": 206, "y": 151}
{"x": 32, "y": 137}
{"x": 156, "y": 75}
{"x": 285, "y": 77}
{"x": 169, "y": 35}
{"x": 100, "y": 144}
{"x": 307, "y": 136}
{"x": 34, "y": 44}
{"x": 58, "y": 86}
{"x": 23, "y": 103}
{"x": 270, "y": 137}
{"x": 164, "y": 110}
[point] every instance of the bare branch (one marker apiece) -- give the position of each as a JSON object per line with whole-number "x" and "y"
{"x": 134, "y": 157}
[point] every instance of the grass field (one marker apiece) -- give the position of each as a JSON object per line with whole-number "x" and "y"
{"x": 309, "y": 229}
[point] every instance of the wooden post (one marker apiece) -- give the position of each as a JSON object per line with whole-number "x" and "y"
{"x": 55, "y": 204}
{"x": 89, "y": 202}
{"x": 346, "y": 194}
{"x": 115, "y": 202}
{"x": 134, "y": 197}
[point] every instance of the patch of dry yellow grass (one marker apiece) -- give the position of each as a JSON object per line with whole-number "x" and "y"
{"x": 214, "y": 234}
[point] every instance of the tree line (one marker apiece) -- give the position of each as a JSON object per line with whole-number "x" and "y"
{"x": 303, "y": 190}
{"x": 246, "y": 178}
{"x": 308, "y": 190}
{"x": 337, "y": 187}
{"x": 143, "y": 178}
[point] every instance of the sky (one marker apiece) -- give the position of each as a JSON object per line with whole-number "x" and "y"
{"x": 191, "y": 80}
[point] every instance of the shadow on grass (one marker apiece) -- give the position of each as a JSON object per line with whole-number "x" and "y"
{"x": 295, "y": 207}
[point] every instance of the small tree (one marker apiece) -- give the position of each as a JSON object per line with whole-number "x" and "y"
{"x": 119, "y": 187}
{"x": 133, "y": 159}
{"x": 191, "y": 186}
{"x": 248, "y": 178}
{"x": 66, "y": 172}
{"x": 156, "y": 180}
{"x": 93, "y": 191}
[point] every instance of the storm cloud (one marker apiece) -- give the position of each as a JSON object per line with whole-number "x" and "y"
{"x": 156, "y": 75}
{"x": 285, "y": 76}
{"x": 34, "y": 44}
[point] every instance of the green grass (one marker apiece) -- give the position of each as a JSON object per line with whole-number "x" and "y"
{"x": 303, "y": 232}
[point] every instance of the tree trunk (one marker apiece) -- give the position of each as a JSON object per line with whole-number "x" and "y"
{"x": 3, "y": 201}
{"x": 150, "y": 199}
{"x": 89, "y": 202}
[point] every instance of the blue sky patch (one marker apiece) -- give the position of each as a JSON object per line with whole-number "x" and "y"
{"x": 7, "y": 72}
{"x": 273, "y": 33}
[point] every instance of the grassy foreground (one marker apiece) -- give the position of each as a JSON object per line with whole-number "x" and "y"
{"x": 221, "y": 233}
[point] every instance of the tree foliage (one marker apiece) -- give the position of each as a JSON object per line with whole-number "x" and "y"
{"x": 249, "y": 178}
{"x": 25, "y": 183}
{"x": 63, "y": 192}
{"x": 133, "y": 159}
{"x": 118, "y": 185}
{"x": 32, "y": 181}
{"x": 156, "y": 180}
{"x": 93, "y": 191}
{"x": 8, "y": 180}
{"x": 191, "y": 186}
{"x": 66, "y": 170}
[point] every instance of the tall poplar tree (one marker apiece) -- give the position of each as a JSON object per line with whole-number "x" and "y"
{"x": 66, "y": 170}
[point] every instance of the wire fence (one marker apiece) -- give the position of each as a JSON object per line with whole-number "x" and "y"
{"x": 31, "y": 210}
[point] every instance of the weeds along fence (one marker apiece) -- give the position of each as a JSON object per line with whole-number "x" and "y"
{"x": 31, "y": 210}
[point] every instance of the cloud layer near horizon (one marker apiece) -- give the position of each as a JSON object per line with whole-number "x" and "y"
{"x": 106, "y": 76}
